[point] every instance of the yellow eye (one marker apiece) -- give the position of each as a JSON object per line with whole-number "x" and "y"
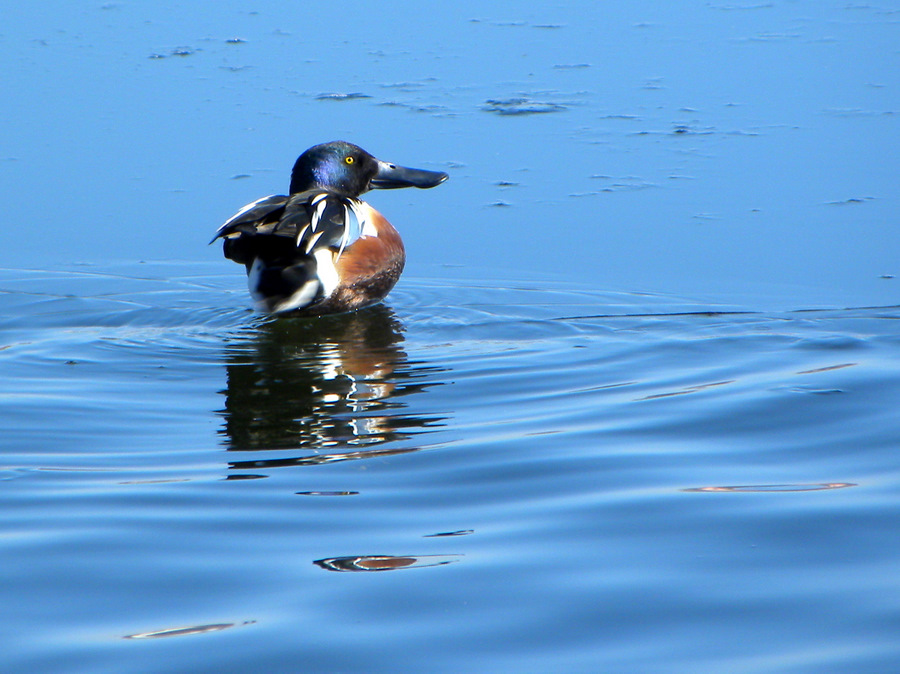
{"x": 349, "y": 160}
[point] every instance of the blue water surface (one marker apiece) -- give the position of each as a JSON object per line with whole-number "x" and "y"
{"x": 631, "y": 408}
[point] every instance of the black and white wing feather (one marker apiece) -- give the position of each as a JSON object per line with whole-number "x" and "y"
{"x": 313, "y": 219}
{"x": 253, "y": 217}
{"x": 334, "y": 222}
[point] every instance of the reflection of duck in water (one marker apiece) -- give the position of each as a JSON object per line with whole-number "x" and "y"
{"x": 327, "y": 384}
{"x": 322, "y": 250}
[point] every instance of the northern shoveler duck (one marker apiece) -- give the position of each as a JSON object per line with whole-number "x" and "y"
{"x": 322, "y": 250}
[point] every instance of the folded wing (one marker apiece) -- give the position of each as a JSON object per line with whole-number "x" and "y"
{"x": 290, "y": 244}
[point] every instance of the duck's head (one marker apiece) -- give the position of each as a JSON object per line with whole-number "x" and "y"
{"x": 349, "y": 170}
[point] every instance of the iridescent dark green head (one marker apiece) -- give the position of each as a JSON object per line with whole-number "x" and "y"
{"x": 349, "y": 170}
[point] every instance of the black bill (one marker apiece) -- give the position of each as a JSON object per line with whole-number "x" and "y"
{"x": 391, "y": 176}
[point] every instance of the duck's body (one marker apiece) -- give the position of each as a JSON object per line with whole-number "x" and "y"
{"x": 322, "y": 250}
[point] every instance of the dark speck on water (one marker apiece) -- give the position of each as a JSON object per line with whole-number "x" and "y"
{"x": 641, "y": 417}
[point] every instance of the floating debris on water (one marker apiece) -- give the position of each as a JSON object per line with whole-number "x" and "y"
{"x": 431, "y": 109}
{"x": 461, "y": 532}
{"x": 341, "y": 97}
{"x": 622, "y": 183}
{"x": 687, "y": 129}
{"x": 520, "y": 106}
{"x": 177, "y": 51}
{"x": 852, "y": 200}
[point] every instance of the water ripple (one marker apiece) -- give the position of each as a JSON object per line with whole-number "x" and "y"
{"x": 160, "y": 433}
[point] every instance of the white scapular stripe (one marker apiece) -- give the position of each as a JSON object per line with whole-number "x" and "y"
{"x": 326, "y": 270}
{"x": 317, "y": 214}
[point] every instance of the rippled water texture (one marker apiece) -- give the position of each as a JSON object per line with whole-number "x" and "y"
{"x": 632, "y": 407}
{"x": 552, "y": 476}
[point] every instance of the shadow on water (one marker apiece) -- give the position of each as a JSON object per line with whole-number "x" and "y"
{"x": 333, "y": 387}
